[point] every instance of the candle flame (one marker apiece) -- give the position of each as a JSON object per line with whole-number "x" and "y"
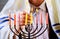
{"x": 37, "y": 10}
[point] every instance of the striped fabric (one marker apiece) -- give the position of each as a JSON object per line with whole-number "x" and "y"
{"x": 54, "y": 13}
{"x": 3, "y": 20}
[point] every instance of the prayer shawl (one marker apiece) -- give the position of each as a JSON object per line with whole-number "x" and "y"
{"x": 54, "y": 13}
{"x": 14, "y": 5}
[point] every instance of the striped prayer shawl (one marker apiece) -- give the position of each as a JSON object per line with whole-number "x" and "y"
{"x": 54, "y": 13}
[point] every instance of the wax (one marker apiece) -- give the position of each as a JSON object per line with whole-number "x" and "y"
{"x": 40, "y": 18}
{"x": 46, "y": 18}
{"x": 36, "y": 19}
{"x": 37, "y": 10}
{"x": 26, "y": 19}
{"x": 14, "y": 19}
{"x": 31, "y": 18}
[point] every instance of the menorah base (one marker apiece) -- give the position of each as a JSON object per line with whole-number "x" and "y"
{"x": 20, "y": 37}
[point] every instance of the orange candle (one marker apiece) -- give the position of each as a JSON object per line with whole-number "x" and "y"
{"x": 14, "y": 19}
{"x": 40, "y": 18}
{"x": 46, "y": 18}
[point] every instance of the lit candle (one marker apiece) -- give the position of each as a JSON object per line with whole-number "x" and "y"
{"x": 26, "y": 19}
{"x": 37, "y": 10}
{"x": 14, "y": 19}
{"x": 41, "y": 18}
{"x": 46, "y": 18}
{"x": 31, "y": 18}
{"x": 9, "y": 19}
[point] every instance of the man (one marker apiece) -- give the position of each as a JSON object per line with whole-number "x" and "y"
{"x": 11, "y": 7}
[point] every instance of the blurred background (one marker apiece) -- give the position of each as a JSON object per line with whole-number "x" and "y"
{"x": 2, "y": 3}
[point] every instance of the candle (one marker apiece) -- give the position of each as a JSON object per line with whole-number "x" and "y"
{"x": 31, "y": 18}
{"x": 46, "y": 18}
{"x": 40, "y": 18}
{"x": 9, "y": 19}
{"x": 37, "y": 19}
{"x": 19, "y": 19}
{"x": 14, "y": 19}
{"x": 26, "y": 19}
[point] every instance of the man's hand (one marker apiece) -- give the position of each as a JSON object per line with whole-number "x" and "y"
{"x": 22, "y": 21}
{"x": 23, "y": 18}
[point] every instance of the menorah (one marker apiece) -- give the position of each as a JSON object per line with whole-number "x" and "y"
{"x": 29, "y": 34}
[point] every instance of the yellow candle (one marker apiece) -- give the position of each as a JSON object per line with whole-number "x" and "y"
{"x": 26, "y": 19}
{"x": 14, "y": 19}
{"x": 31, "y": 18}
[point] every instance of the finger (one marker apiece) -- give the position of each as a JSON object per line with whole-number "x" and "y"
{"x": 24, "y": 13}
{"x": 22, "y": 24}
{"x": 22, "y": 21}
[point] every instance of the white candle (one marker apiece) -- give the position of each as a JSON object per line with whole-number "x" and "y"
{"x": 40, "y": 18}
{"x": 46, "y": 18}
{"x": 37, "y": 19}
